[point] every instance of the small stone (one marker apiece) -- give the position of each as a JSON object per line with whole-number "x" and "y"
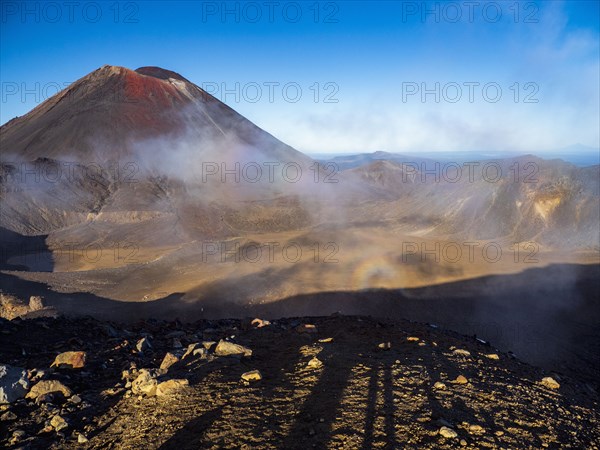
{"x": 36, "y": 375}
{"x": 259, "y": 323}
{"x": 17, "y": 436}
{"x": 499, "y": 433}
{"x": 145, "y": 383}
{"x": 314, "y": 363}
{"x": 208, "y": 344}
{"x": 48, "y": 397}
{"x": 201, "y": 352}
{"x": 550, "y": 383}
{"x": 385, "y": 346}
{"x": 190, "y": 350}
{"x": 439, "y": 385}
{"x": 82, "y": 439}
{"x": 492, "y": 356}
{"x": 326, "y": 340}
{"x": 48, "y": 387}
{"x": 463, "y": 443}
{"x": 8, "y": 415}
{"x": 170, "y": 387}
{"x": 226, "y": 348}
{"x": 143, "y": 345}
{"x": 306, "y": 328}
{"x": 36, "y": 303}
{"x": 448, "y": 433}
{"x": 476, "y": 429}
{"x": 169, "y": 360}
{"x": 461, "y": 380}
{"x": 75, "y": 399}
{"x": 253, "y": 375}
{"x": 58, "y": 423}
{"x": 70, "y": 360}
{"x": 412, "y": 339}
{"x": 461, "y": 352}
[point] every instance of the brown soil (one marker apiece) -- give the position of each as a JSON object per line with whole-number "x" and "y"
{"x": 361, "y": 397}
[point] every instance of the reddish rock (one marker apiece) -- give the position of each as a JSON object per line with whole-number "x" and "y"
{"x": 70, "y": 360}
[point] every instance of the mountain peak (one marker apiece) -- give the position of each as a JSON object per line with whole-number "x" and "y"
{"x": 158, "y": 72}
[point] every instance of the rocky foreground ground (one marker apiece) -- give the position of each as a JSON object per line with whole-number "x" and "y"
{"x": 328, "y": 382}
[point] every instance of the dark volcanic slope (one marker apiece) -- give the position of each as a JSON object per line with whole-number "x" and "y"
{"x": 357, "y": 395}
{"x": 102, "y": 114}
{"x": 123, "y": 153}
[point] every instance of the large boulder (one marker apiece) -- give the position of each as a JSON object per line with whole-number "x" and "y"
{"x": 169, "y": 360}
{"x": 13, "y": 383}
{"x": 36, "y": 303}
{"x": 225, "y": 348}
{"x": 145, "y": 383}
{"x": 11, "y": 306}
{"x": 48, "y": 387}
{"x": 170, "y": 387}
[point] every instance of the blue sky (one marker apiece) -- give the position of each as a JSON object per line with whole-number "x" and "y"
{"x": 338, "y": 76}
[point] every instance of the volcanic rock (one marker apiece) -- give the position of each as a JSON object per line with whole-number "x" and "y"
{"x": 13, "y": 383}
{"x": 448, "y": 433}
{"x": 143, "y": 345}
{"x": 70, "y": 360}
{"x": 169, "y": 360}
{"x": 226, "y": 348}
{"x": 170, "y": 387}
{"x": 306, "y": 328}
{"x": 36, "y": 303}
{"x": 58, "y": 423}
{"x": 48, "y": 387}
{"x": 315, "y": 363}
{"x": 145, "y": 383}
{"x": 253, "y": 375}
{"x": 461, "y": 379}
{"x": 550, "y": 383}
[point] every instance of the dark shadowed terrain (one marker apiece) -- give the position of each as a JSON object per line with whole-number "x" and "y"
{"x": 374, "y": 384}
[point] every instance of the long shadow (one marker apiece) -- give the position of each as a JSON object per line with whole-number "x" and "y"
{"x": 19, "y": 252}
{"x": 388, "y": 408}
{"x": 384, "y": 371}
{"x": 331, "y": 384}
{"x": 371, "y": 409}
{"x": 191, "y": 436}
